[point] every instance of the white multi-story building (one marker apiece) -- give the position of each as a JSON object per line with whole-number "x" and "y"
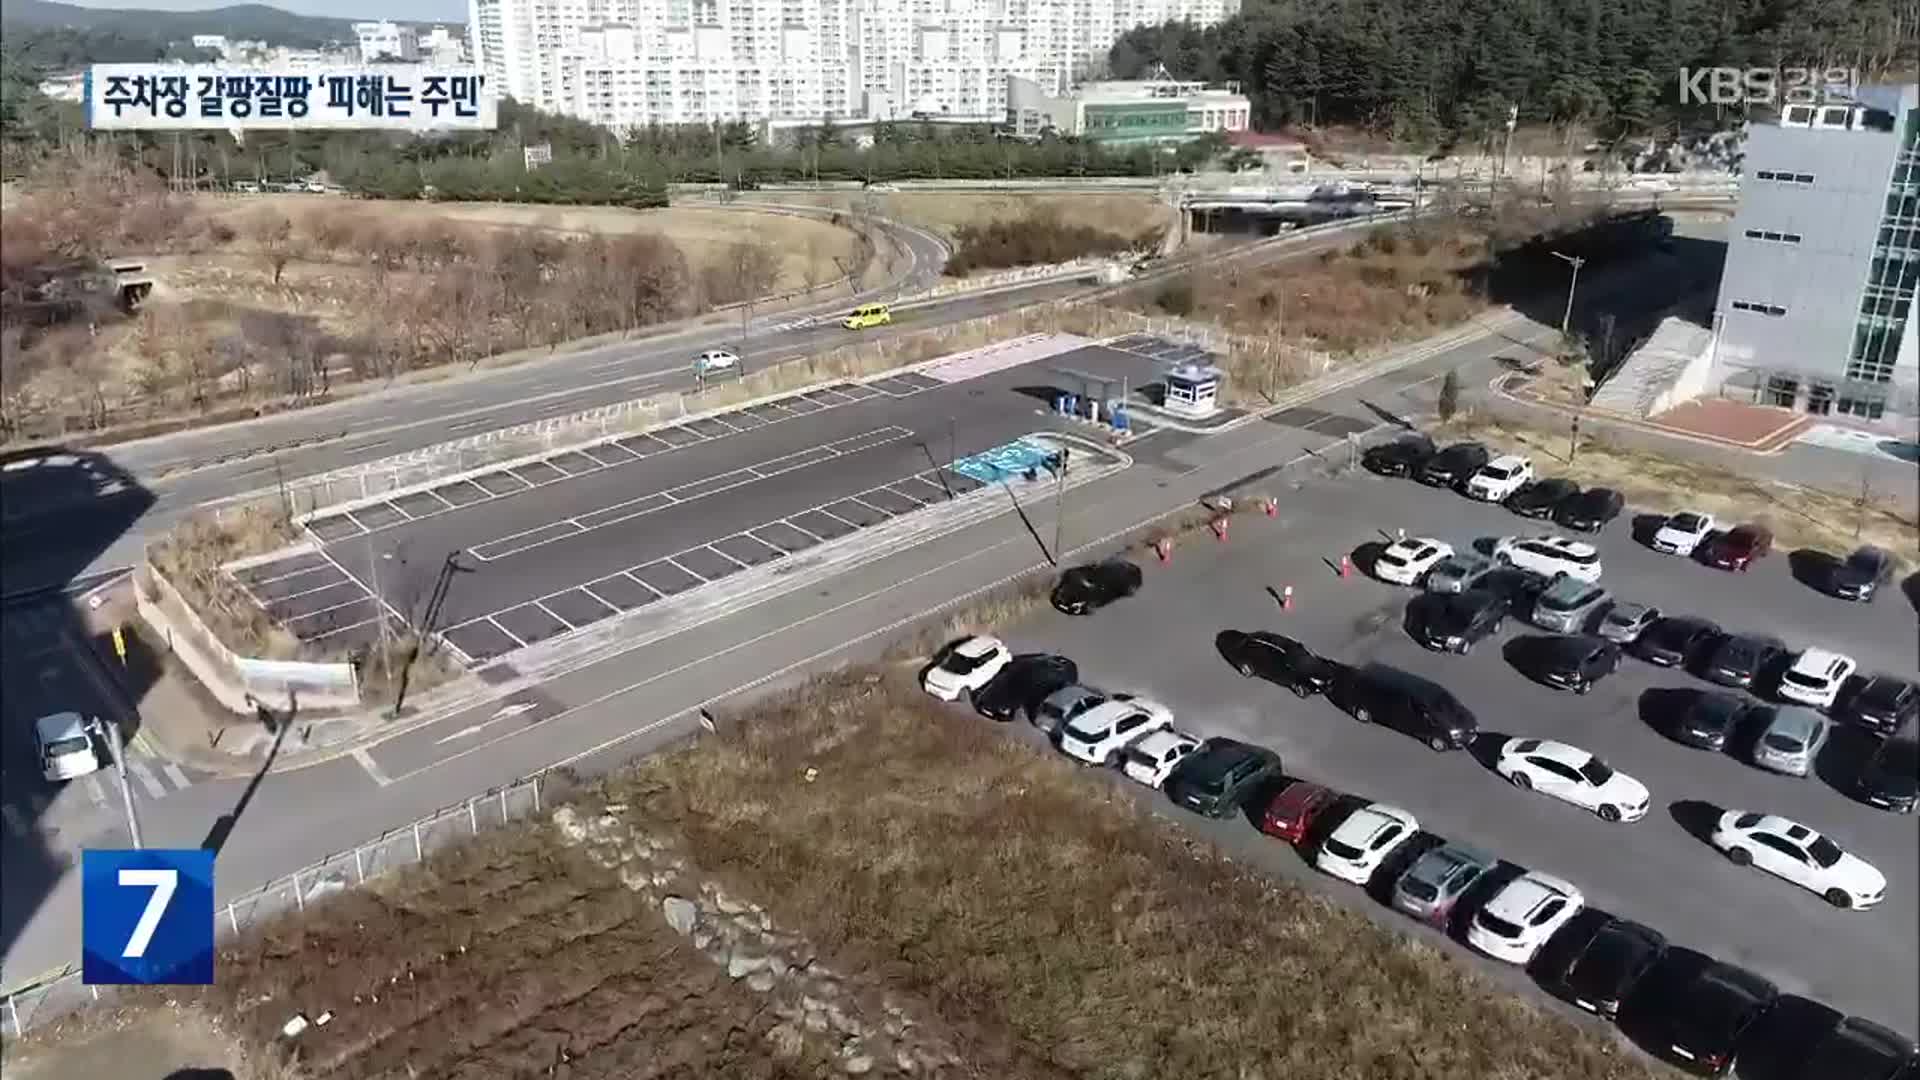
{"x": 629, "y": 63}
{"x": 443, "y": 46}
{"x": 387, "y": 39}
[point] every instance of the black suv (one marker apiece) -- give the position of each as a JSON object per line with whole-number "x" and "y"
{"x": 1221, "y": 776}
{"x": 1590, "y": 510}
{"x": 1401, "y": 457}
{"x": 1883, "y": 704}
{"x": 1610, "y": 964}
{"x": 1378, "y": 694}
{"x": 1453, "y": 622}
{"x": 1706, "y": 1018}
{"x": 1571, "y": 661}
{"x": 1089, "y": 588}
{"x": 1278, "y": 659}
{"x": 1677, "y": 640}
{"x": 1861, "y": 574}
{"x": 1741, "y": 660}
{"x": 1451, "y": 467}
{"x": 1711, "y": 719}
{"x": 1890, "y": 779}
{"x": 1026, "y": 681}
{"x": 1859, "y": 1050}
{"x": 1542, "y": 498}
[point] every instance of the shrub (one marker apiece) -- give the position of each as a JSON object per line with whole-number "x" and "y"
{"x": 1449, "y": 402}
{"x": 1175, "y": 298}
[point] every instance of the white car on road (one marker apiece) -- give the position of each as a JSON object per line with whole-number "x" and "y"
{"x": 1788, "y": 849}
{"x": 1682, "y": 532}
{"x": 1523, "y": 915}
{"x": 1406, "y": 561}
{"x": 65, "y": 743}
{"x": 1570, "y": 774}
{"x": 1816, "y": 677}
{"x": 967, "y": 667}
{"x": 1355, "y": 850}
{"x": 1099, "y": 735}
{"x": 1550, "y": 555}
{"x": 716, "y": 362}
{"x": 1152, "y": 758}
{"x": 1501, "y": 477}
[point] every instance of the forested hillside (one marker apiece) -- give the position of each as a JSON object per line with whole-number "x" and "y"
{"x": 1424, "y": 69}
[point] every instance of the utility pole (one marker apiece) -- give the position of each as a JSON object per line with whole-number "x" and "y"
{"x": 1575, "y": 261}
{"x": 952, "y": 446}
{"x": 126, "y": 791}
{"x": 1060, "y": 500}
{"x": 428, "y": 619}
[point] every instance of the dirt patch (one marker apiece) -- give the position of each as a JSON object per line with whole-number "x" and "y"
{"x": 1829, "y": 520}
{"x": 151, "y": 1042}
{"x": 947, "y": 212}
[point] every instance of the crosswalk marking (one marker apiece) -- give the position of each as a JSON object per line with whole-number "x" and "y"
{"x": 12, "y": 815}
{"x": 174, "y": 774}
{"x": 146, "y": 778}
{"x": 95, "y": 792}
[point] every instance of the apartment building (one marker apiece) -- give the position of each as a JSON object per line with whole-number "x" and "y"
{"x": 386, "y": 39}
{"x": 1817, "y": 302}
{"x": 638, "y": 62}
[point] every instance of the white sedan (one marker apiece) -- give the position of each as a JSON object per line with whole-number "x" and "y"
{"x": 1355, "y": 850}
{"x": 1570, "y": 774}
{"x": 1099, "y": 735}
{"x": 1550, "y": 555}
{"x": 1152, "y": 758}
{"x": 1816, "y": 677}
{"x": 1523, "y": 915}
{"x": 1790, "y": 850}
{"x": 967, "y": 667}
{"x": 1407, "y": 561}
{"x": 715, "y": 362}
{"x": 1683, "y": 532}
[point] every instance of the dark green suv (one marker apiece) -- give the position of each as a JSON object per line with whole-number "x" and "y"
{"x": 1221, "y": 776}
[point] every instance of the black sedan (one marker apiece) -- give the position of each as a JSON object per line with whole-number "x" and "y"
{"x": 1453, "y": 622}
{"x": 1569, "y": 661}
{"x": 1086, "y": 589}
{"x": 1541, "y": 499}
{"x": 1707, "y": 1017}
{"x": 1712, "y": 719}
{"x": 1741, "y": 659}
{"x": 1278, "y": 659}
{"x": 1590, "y": 510}
{"x": 1859, "y": 1050}
{"x": 1023, "y": 684}
{"x": 1402, "y": 457}
{"x": 1451, "y": 467}
{"x": 1883, "y": 704}
{"x": 1861, "y": 574}
{"x": 1520, "y": 587}
{"x": 1890, "y": 779}
{"x": 1612, "y": 962}
{"x": 1677, "y": 640}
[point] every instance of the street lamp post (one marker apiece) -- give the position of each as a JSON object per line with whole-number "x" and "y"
{"x": 1575, "y": 261}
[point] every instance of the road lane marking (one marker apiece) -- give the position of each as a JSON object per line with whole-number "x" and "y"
{"x": 505, "y": 713}
{"x": 94, "y": 790}
{"x": 373, "y": 768}
{"x": 174, "y": 774}
{"x": 140, "y": 773}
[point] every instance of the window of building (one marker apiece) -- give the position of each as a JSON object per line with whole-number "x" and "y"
{"x": 1774, "y": 310}
{"x": 1864, "y": 406}
{"x": 1773, "y": 237}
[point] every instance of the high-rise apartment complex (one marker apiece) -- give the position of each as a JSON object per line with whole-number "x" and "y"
{"x": 1817, "y": 307}
{"x": 636, "y": 62}
{"x": 391, "y": 40}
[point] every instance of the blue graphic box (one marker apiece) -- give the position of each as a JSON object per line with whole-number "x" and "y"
{"x": 146, "y": 917}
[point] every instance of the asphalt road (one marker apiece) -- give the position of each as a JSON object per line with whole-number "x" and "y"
{"x": 625, "y": 703}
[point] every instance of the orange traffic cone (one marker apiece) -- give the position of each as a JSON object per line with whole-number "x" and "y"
{"x": 1286, "y": 598}
{"x": 1163, "y": 548}
{"x": 1346, "y": 566}
{"x": 1219, "y": 525}
{"x": 1273, "y": 507}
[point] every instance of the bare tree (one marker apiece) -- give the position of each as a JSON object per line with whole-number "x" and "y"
{"x": 271, "y": 235}
{"x": 655, "y": 276}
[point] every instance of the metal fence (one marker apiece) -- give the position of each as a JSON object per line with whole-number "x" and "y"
{"x": 63, "y": 993}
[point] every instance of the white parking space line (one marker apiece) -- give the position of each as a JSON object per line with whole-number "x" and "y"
{"x": 310, "y": 614}
{"x": 865, "y": 503}
{"x": 466, "y": 424}
{"x": 357, "y": 523}
{"x": 722, "y": 554}
{"x": 628, "y": 574}
{"x": 669, "y": 560}
{"x": 722, "y": 421}
{"x": 556, "y": 616}
{"x": 599, "y": 598}
{"x": 174, "y": 774}
{"x": 288, "y": 577}
{"x": 510, "y": 634}
{"x": 306, "y": 592}
{"x": 16, "y": 824}
{"x": 342, "y": 629}
{"x": 373, "y": 768}
{"x": 140, "y": 773}
{"x": 796, "y": 528}
{"x": 95, "y": 791}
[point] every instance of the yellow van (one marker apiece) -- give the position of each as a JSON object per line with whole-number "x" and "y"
{"x": 868, "y": 315}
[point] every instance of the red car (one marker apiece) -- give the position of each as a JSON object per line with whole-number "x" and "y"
{"x": 1293, "y": 810}
{"x": 1737, "y": 548}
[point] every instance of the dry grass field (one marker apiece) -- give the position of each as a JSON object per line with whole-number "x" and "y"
{"x": 1039, "y": 922}
{"x": 946, "y": 212}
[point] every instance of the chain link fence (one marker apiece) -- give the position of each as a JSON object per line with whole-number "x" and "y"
{"x": 63, "y": 993}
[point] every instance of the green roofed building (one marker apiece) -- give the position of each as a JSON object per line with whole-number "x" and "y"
{"x": 1123, "y": 113}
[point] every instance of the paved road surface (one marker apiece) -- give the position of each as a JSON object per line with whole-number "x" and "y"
{"x": 628, "y": 702}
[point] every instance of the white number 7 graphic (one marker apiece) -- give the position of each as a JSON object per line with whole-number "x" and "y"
{"x": 162, "y": 882}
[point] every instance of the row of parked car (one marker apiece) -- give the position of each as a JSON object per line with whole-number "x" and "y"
{"x": 1530, "y": 918}
{"x": 1510, "y": 479}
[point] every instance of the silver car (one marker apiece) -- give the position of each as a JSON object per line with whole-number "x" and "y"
{"x": 1625, "y": 622}
{"x": 1458, "y": 572}
{"x": 1567, "y": 605}
{"x": 1430, "y": 887}
{"x": 1061, "y": 706}
{"x": 1790, "y": 740}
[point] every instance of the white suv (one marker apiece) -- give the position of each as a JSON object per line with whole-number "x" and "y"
{"x": 1100, "y": 735}
{"x": 969, "y": 666}
{"x": 1500, "y": 478}
{"x": 1816, "y": 677}
{"x": 1522, "y": 916}
{"x": 1683, "y": 532}
{"x": 65, "y": 742}
{"x": 1550, "y": 555}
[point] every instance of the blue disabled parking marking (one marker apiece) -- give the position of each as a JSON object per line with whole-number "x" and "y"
{"x": 1002, "y": 462}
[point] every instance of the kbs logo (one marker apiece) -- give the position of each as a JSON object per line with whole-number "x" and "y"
{"x": 1774, "y": 87}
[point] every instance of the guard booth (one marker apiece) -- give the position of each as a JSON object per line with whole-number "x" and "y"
{"x": 1193, "y": 390}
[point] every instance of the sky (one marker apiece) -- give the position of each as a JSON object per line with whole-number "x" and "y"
{"x": 446, "y": 11}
